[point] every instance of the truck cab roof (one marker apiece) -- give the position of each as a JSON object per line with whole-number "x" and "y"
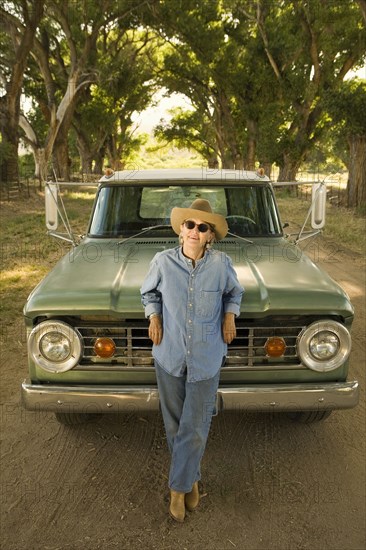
{"x": 184, "y": 175}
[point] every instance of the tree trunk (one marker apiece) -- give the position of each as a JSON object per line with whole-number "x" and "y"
{"x": 239, "y": 162}
{"x": 249, "y": 163}
{"x": 98, "y": 165}
{"x": 61, "y": 159}
{"x": 267, "y": 166}
{"x": 99, "y": 161}
{"x": 10, "y": 103}
{"x": 60, "y": 122}
{"x": 86, "y": 161}
{"x": 9, "y": 171}
{"x": 251, "y": 149}
{"x": 356, "y": 187}
{"x": 225, "y": 133}
{"x": 86, "y": 156}
{"x": 60, "y": 149}
{"x": 92, "y": 157}
{"x": 212, "y": 161}
{"x": 227, "y": 161}
{"x": 289, "y": 168}
{"x": 41, "y": 165}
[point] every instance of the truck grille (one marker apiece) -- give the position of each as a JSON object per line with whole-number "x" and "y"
{"x": 133, "y": 347}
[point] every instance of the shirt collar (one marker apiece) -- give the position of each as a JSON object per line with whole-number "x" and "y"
{"x": 188, "y": 261}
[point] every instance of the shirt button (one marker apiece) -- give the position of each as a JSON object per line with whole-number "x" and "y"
{"x": 188, "y": 352}
{"x": 189, "y": 336}
{"x": 191, "y": 288}
{"x": 190, "y": 321}
{"x": 190, "y": 305}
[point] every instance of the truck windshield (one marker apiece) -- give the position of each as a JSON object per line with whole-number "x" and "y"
{"x": 121, "y": 211}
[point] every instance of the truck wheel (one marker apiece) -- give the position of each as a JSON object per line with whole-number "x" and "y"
{"x": 70, "y": 419}
{"x": 306, "y": 417}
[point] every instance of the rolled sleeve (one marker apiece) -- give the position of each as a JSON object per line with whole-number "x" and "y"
{"x": 233, "y": 291}
{"x": 232, "y": 308}
{"x": 152, "y": 307}
{"x": 150, "y": 295}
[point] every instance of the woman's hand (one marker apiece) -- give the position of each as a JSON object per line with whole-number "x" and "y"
{"x": 228, "y": 328}
{"x": 156, "y": 329}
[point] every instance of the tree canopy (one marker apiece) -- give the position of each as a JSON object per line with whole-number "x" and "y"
{"x": 263, "y": 79}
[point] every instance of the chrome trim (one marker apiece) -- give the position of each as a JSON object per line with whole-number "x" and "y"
{"x": 133, "y": 346}
{"x": 256, "y": 398}
{"x": 291, "y": 397}
{"x": 318, "y": 365}
{"x": 230, "y": 366}
{"x": 89, "y": 399}
{"x": 66, "y": 330}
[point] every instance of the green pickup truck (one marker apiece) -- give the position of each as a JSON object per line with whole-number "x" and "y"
{"x": 88, "y": 346}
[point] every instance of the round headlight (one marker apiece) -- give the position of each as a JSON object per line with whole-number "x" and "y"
{"x": 324, "y": 345}
{"x": 55, "y": 346}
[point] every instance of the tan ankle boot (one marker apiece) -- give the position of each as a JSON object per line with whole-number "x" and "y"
{"x": 192, "y": 499}
{"x": 177, "y": 509}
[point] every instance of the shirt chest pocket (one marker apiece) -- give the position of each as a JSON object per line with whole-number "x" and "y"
{"x": 207, "y": 302}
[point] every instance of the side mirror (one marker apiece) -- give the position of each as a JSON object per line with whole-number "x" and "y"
{"x": 318, "y": 198}
{"x": 51, "y": 206}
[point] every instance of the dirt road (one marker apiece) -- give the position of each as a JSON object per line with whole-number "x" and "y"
{"x": 268, "y": 483}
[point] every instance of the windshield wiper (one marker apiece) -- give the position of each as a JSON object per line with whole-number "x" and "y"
{"x": 240, "y": 237}
{"x": 146, "y": 230}
{"x": 164, "y": 226}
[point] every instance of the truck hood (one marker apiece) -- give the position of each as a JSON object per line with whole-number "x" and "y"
{"x": 100, "y": 277}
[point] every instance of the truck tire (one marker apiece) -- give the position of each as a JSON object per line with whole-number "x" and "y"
{"x": 70, "y": 419}
{"x": 306, "y": 417}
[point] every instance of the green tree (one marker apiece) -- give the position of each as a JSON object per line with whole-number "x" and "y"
{"x": 66, "y": 53}
{"x": 103, "y": 120}
{"x": 190, "y": 129}
{"x": 263, "y": 69}
{"x": 14, "y": 56}
{"x": 347, "y": 108}
{"x": 310, "y": 47}
{"x": 193, "y": 65}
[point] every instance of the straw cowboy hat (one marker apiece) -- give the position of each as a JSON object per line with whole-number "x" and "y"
{"x": 199, "y": 209}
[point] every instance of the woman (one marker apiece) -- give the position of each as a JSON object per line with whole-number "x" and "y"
{"x": 191, "y": 296}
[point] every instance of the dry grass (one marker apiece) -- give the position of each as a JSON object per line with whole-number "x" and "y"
{"x": 27, "y": 252}
{"x": 342, "y": 224}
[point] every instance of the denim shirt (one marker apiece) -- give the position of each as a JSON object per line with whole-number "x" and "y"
{"x": 192, "y": 302}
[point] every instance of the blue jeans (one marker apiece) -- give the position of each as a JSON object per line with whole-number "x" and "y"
{"x": 187, "y": 409}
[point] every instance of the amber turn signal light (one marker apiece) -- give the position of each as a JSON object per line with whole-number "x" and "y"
{"x": 104, "y": 347}
{"x": 275, "y": 347}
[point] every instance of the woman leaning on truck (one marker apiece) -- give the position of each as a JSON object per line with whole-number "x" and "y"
{"x": 191, "y": 296}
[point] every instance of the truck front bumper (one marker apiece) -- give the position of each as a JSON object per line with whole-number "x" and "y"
{"x": 256, "y": 398}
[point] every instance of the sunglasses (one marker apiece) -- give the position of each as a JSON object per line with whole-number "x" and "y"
{"x": 202, "y": 227}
